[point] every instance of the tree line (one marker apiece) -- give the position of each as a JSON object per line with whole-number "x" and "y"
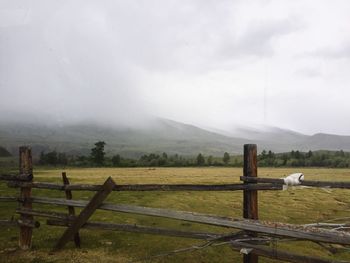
{"x": 98, "y": 158}
{"x": 333, "y": 159}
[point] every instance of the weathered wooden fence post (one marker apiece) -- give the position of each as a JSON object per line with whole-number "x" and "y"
{"x": 71, "y": 209}
{"x": 250, "y": 197}
{"x": 25, "y": 168}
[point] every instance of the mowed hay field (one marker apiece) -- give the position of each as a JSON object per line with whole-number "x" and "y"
{"x": 299, "y": 205}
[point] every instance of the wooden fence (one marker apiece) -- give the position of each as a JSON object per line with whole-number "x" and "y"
{"x": 253, "y": 237}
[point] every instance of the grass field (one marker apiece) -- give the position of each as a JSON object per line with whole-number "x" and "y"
{"x": 299, "y": 206}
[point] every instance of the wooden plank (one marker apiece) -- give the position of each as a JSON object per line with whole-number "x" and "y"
{"x": 25, "y": 167}
{"x": 341, "y": 185}
{"x": 71, "y": 210}
{"x": 265, "y": 184}
{"x": 287, "y": 230}
{"x": 138, "y": 229}
{"x": 261, "y": 180}
{"x": 14, "y": 177}
{"x": 64, "y": 219}
{"x": 38, "y": 185}
{"x": 257, "y": 249}
{"x": 19, "y": 222}
{"x": 279, "y": 254}
{"x": 148, "y": 187}
{"x": 47, "y": 214}
{"x": 250, "y": 197}
{"x": 10, "y": 199}
{"x": 86, "y": 213}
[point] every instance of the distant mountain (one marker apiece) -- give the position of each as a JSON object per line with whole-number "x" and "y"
{"x": 268, "y": 133}
{"x": 282, "y": 140}
{"x": 160, "y": 135}
{"x": 269, "y": 138}
{"x": 327, "y": 142}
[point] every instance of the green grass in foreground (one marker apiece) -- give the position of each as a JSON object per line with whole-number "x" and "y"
{"x": 298, "y": 206}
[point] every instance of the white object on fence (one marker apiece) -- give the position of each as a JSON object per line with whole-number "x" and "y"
{"x": 293, "y": 180}
{"x": 245, "y": 251}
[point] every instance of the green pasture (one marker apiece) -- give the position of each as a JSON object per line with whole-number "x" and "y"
{"x": 295, "y": 205}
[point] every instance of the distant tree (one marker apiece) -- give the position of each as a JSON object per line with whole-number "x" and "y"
{"x": 51, "y": 158}
{"x": 292, "y": 154}
{"x": 226, "y": 158}
{"x": 340, "y": 153}
{"x": 165, "y": 156}
{"x": 82, "y": 160}
{"x": 263, "y": 155}
{"x": 309, "y": 154}
{"x": 62, "y": 159}
{"x": 284, "y": 158}
{"x": 210, "y": 160}
{"x": 162, "y": 161}
{"x": 116, "y": 160}
{"x": 98, "y": 154}
{"x": 200, "y": 159}
{"x": 42, "y": 159}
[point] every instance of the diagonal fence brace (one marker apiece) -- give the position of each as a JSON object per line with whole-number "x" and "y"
{"x": 86, "y": 213}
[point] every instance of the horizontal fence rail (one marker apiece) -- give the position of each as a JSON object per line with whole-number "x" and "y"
{"x": 343, "y": 185}
{"x": 149, "y": 187}
{"x": 62, "y": 219}
{"x": 20, "y": 222}
{"x": 288, "y": 230}
{"x": 138, "y": 229}
{"x": 16, "y": 177}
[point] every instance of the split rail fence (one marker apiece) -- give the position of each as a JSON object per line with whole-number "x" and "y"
{"x": 253, "y": 237}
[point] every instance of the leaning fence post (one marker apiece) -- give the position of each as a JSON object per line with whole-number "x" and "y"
{"x": 86, "y": 213}
{"x": 250, "y": 197}
{"x": 25, "y": 168}
{"x": 71, "y": 209}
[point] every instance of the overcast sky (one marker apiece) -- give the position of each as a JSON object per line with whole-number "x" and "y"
{"x": 209, "y": 63}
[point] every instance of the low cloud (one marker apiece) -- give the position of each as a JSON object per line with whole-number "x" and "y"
{"x": 203, "y": 62}
{"x": 339, "y": 52}
{"x": 258, "y": 39}
{"x": 308, "y": 72}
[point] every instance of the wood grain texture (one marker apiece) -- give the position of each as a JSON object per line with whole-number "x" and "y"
{"x": 25, "y": 167}
{"x": 71, "y": 210}
{"x": 250, "y": 197}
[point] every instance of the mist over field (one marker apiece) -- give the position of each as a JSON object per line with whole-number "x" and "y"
{"x": 210, "y": 75}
